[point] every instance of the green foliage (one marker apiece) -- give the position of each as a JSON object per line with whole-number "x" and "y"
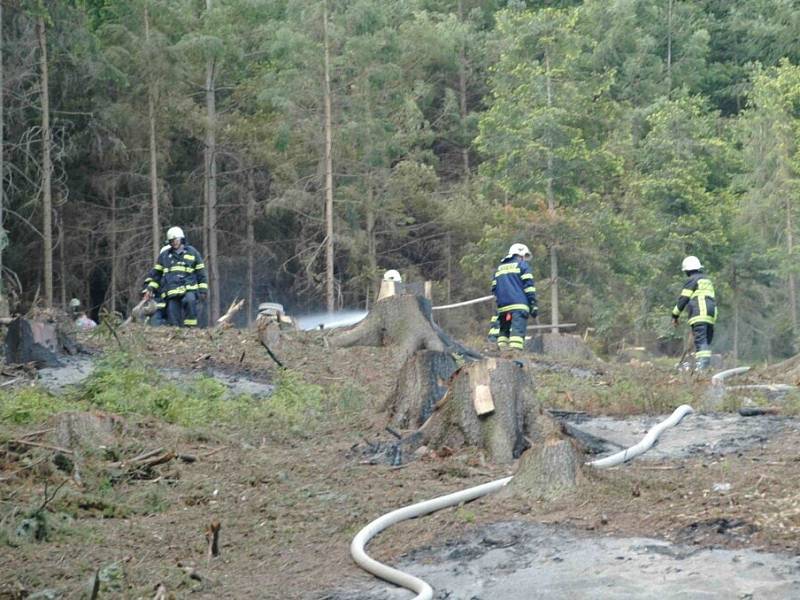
{"x": 30, "y": 404}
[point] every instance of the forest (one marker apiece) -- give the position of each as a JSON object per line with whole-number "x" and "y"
{"x": 306, "y": 146}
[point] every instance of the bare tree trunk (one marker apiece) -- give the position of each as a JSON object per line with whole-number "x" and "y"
{"x": 551, "y": 208}
{"x": 372, "y": 243}
{"x": 462, "y": 88}
{"x": 251, "y": 246}
{"x": 47, "y": 200}
{"x": 151, "y": 117}
{"x": 62, "y": 261}
{"x": 328, "y": 167}
{"x": 735, "y": 290}
{"x": 792, "y": 286}
{"x": 114, "y": 247}
{"x": 669, "y": 46}
{"x": 212, "y": 252}
{"x": 2, "y": 167}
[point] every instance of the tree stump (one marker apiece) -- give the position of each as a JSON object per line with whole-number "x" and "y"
{"x": 400, "y": 321}
{"x": 551, "y": 468}
{"x": 422, "y": 382}
{"x": 32, "y": 341}
{"x": 560, "y": 345}
{"x": 503, "y": 390}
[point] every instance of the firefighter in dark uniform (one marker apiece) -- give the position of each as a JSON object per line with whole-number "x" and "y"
{"x": 515, "y": 293}
{"x": 698, "y": 295}
{"x": 179, "y": 276}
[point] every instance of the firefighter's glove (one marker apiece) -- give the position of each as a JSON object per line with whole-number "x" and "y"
{"x": 674, "y": 321}
{"x": 534, "y": 312}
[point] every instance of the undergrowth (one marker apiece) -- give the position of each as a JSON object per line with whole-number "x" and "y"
{"x": 125, "y": 384}
{"x": 623, "y": 391}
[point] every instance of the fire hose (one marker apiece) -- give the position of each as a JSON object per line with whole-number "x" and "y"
{"x": 422, "y": 589}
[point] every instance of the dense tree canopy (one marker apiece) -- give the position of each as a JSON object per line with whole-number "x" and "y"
{"x": 614, "y": 137}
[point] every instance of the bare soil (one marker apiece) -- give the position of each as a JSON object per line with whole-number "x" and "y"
{"x": 289, "y": 503}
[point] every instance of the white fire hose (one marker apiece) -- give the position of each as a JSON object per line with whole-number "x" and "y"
{"x": 465, "y": 303}
{"x": 422, "y": 589}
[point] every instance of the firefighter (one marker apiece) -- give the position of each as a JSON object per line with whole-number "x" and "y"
{"x": 179, "y": 275}
{"x": 698, "y": 295}
{"x": 515, "y": 293}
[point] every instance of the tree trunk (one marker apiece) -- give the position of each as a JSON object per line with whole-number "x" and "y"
{"x": 62, "y": 261}
{"x": 791, "y": 282}
{"x": 551, "y": 209}
{"x": 503, "y": 391}
{"x": 151, "y": 118}
{"x": 114, "y": 247}
{"x": 372, "y": 243}
{"x": 47, "y": 201}
{"x": 3, "y": 242}
{"x": 212, "y": 252}
{"x": 329, "y": 298}
{"x": 669, "y": 46}
{"x": 735, "y": 290}
{"x": 251, "y": 246}
{"x": 462, "y": 89}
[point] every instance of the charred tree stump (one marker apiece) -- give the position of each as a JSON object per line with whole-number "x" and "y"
{"x": 490, "y": 404}
{"x": 551, "y": 468}
{"x": 34, "y": 341}
{"x": 421, "y": 384}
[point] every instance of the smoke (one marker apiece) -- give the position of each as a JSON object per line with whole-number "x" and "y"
{"x": 343, "y": 318}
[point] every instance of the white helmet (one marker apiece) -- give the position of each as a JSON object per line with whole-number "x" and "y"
{"x": 519, "y": 249}
{"x": 392, "y": 275}
{"x": 74, "y": 303}
{"x": 175, "y": 232}
{"x": 691, "y": 263}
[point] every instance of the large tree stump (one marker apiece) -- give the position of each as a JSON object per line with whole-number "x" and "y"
{"x": 505, "y": 431}
{"x": 403, "y": 322}
{"x": 32, "y": 341}
{"x": 551, "y": 468}
{"x": 422, "y": 382}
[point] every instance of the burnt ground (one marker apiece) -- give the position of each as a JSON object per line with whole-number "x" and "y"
{"x": 289, "y": 502}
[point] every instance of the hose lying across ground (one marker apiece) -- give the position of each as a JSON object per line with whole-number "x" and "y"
{"x": 422, "y": 589}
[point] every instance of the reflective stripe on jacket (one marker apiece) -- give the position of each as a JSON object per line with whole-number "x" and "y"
{"x": 177, "y": 272}
{"x": 513, "y": 286}
{"x": 698, "y": 295}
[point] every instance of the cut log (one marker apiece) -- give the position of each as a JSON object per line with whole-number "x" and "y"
{"x": 422, "y": 382}
{"x": 550, "y": 468}
{"x": 505, "y": 432}
{"x": 32, "y": 341}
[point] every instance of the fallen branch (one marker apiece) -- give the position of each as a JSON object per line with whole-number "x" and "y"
{"x": 39, "y": 432}
{"x": 232, "y": 310}
{"x": 271, "y": 355}
{"x": 214, "y": 451}
{"x": 38, "y": 445}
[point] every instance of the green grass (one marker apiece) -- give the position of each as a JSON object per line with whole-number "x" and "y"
{"x": 127, "y": 385}
{"x": 31, "y": 404}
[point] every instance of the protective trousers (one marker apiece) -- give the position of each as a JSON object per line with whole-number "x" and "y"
{"x": 703, "y": 336}
{"x": 182, "y": 310}
{"x": 512, "y": 329}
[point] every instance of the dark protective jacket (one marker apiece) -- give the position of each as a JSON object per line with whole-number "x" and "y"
{"x": 177, "y": 272}
{"x": 513, "y": 286}
{"x": 698, "y": 295}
